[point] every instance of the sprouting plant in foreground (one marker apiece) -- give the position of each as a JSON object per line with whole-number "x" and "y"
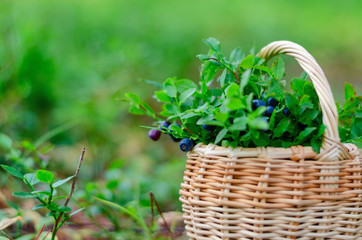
{"x": 48, "y": 198}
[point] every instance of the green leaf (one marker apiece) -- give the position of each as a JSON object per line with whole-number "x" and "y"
{"x": 276, "y": 89}
{"x": 186, "y": 95}
{"x": 305, "y": 133}
{"x": 136, "y": 110}
{"x": 259, "y": 124}
{"x": 278, "y": 68}
{"x": 221, "y": 135}
{"x": 247, "y": 62}
{"x": 44, "y": 176}
{"x": 133, "y": 98}
{"x": 308, "y": 116}
{"x": 236, "y": 57}
{"x": 39, "y": 206}
{"x": 349, "y": 91}
{"x": 61, "y": 182}
{"x": 5, "y": 141}
{"x": 76, "y": 211}
{"x": 234, "y": 103}
{"x": 169, "y": 88}
{"x": 184, "y": 84}
{"x": 170, "y": 108}
{"x": 244, "y": 80}
{"x": 281, "y": 127}
{"x": 64, "y": 209}
{"x": 222, "y": 78}
{"x": 264, "y": 69}
{"x": 23, "y": 195}
{"x": 213, "y": 44}
{"x": 163, "y": 97}
{"x": 13, "y": 171}
{"x": 31, "y": 178}
{"x": 239, "y": 124}
{"x": 233, "y": 90}
{"x": 292, "y": 103}
{"x": 356, "y": 130}
{"x": 221, "y": 117}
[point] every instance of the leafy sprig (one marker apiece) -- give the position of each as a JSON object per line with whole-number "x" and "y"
{"x": 224, "y": 98}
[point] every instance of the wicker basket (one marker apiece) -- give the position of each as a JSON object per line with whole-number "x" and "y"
{"x": 277, "y": 193}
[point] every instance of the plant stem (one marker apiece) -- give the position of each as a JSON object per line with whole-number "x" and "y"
{"x": 57, "y": 220}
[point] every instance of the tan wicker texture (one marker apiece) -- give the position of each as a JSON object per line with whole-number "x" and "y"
{"x": 277, "y": 193}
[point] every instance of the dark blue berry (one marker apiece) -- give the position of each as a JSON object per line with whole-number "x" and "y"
{"x": 186, "y": 144}
{"x": 172, "y": 137}
{"x": 258, "y": 103}
{"x": 164, "y": 125}
{"x": 269, "y": 111}
{"x": 154, "y": 134}
{"x": 272, "y": 102}
{"x": 209, "y": 128}
{"x": 286, "y": 111}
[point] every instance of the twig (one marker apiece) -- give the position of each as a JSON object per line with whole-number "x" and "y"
{"x": 153, "y": 199}
{"x": 40, "y": 232}
{"x": 47, "y": 234}
{"x": 71, "y": 190}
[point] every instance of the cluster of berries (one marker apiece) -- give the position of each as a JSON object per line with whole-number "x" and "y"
{"x": 186, "y": 144}
{"x": 270, "y": 105}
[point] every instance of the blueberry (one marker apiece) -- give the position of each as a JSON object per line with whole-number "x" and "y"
{"x": 286, "y": 112}
{"x": 209, "y": 128}
{"x": 154, "y": 134}
{"x": 186, "y": 144}
{"x": 164, "y": 125}
{"x": 272, "y": 102}
{"x": 172, "y": 137}
{"x": 258, "y": 103}
{"x": 269, "y": 111}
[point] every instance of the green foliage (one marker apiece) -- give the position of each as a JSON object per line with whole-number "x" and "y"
{"x": 241, "y": 79}
{"x": 47, "y": 198}
{"x": 350, "y": 117}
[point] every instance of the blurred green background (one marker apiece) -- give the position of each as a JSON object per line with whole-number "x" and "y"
{"x": 70, "y": 62}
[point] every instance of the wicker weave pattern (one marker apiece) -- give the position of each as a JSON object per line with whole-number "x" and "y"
{"x": 242, "y": 194}
{"x": 277, "y": 193}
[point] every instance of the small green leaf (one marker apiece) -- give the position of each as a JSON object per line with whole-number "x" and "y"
{"x": 31, "y": 178}
{"x": 239, "y": 124}
{"x": 308, "y": 116}
{"x": 186, "y": 95}
{"x": 233, "y": 90}
{"x": 213, "y": 43}
{"x": 349, "y": 91}
{"x": 76, "y": 211}
{"x": 244, "y": 80}
{"x": 278, "y": 68}
{"x": 134, "y": 98}
{"x": 23, "y": 195}
{"x": 163, "y": 97}
{"x": 44, "y": 176}
{"x": 13, "y": 171}
{"x": 184, "y": 85}
{"x": 169, "y": 88}
{"x": 305, "y": 133}
{"x": 61, "y": 182}
{"x": 259, "y": 124}
{"x": 247, "y": 62}
{"x": 64, "y": 209}
{"x": 292, "y": 103}
{"x": 39, "y": 206}
{"x": 281, "y": 127}
{"x": 276, "y": 89}
{"x": 221, "y": 135}
{"x": 234, "y": 103}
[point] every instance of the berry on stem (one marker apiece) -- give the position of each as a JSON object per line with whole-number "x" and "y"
{"x": 272, "y": 102}
{"x": 269, "y": 111}
{"x": 164, "y": 125}
{"x": 286, "y": 112}
{"x": 154, "y": 134}
{"x": 209, "y": 128}
{"x": 186, "y": 144}
{"x": 258, "y": 103}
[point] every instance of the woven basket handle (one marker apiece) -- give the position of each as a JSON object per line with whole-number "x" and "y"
{"x": 319, "y": 80}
